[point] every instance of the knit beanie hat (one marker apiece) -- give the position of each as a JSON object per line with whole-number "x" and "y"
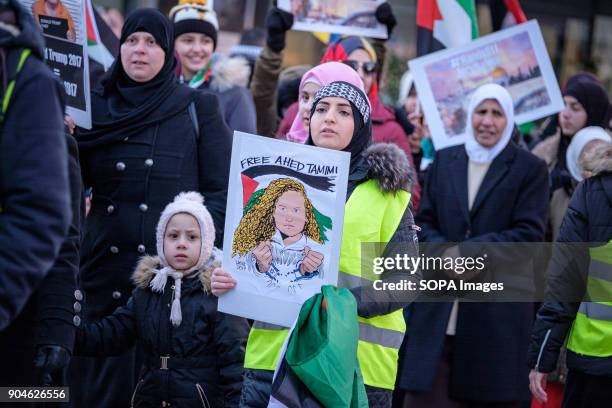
{"x": 195, "y": 16}
{"x": 191, "y": 203}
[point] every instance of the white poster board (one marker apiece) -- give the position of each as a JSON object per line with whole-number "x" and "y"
{"x": 515, "y": 58}
{"x": 63, "y": 24}
{"x": 283, "y": 226}
{"x": 346, "y": 17}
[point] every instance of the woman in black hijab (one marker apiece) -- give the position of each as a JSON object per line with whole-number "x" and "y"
{"x": 377, "y": 197}
{"x": 586, "y": 104}
{"x": 360, "y": 140}
{"x": 376, "y": 211}
{"x": 151, "y": 139}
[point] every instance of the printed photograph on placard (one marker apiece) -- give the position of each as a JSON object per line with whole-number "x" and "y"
{"x": 514, "y": 58}
{"x": 511, "y": 63}
{"x": 57, "y": 18}
{"x": 349, "y": 17}
{"x": 64, "y": 26}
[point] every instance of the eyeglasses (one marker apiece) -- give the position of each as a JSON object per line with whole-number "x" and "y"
{"x": 367, "y": 67}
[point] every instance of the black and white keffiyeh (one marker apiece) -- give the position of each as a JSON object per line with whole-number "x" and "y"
{"x": 347, "y": 91}
{"x": 362, "y": 132}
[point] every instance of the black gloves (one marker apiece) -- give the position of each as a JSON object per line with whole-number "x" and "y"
{"x": 277, "y": 23}
{"x": 50, "y": 358}
{"x": 384, "y": 15}
{"x": 561, "y": 178}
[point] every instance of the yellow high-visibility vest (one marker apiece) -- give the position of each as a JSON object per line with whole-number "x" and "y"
{"x": 370, "y": 216}
{"x": 591, "y": 332}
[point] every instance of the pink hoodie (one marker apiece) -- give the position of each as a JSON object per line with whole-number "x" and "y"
{"x": 322, "y": 75}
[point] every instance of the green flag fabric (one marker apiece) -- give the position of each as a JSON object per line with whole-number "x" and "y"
{"x": 322, "y": 351}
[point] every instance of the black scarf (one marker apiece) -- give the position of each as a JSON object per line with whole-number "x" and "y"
{"x": 593, "y": 98}
{"x": 362, "y": 134}
{"x": 588, "y": 91}
{"x": 122, "y": 107}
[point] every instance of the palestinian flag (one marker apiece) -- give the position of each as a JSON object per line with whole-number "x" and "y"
{"x": 99, "y": 47}
{"x": 445, "y": 24}
{"x": 506, "y": 14}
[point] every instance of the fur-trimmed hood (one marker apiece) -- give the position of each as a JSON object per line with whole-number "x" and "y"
{"x": 547, "y": 149}
{"x": 390, "y": 167}
{"x": 230, "y": 72}
{"x": 600, "y": 159}
{"x": 143, "y": 274}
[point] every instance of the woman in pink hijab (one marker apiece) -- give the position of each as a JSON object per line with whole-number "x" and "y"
{"x": 312, "y": 81}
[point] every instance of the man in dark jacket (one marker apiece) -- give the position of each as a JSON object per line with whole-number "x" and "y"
{"x": 39, "y": 340}
{"x": 576, "y": 270}
{"x": 34, "y": 189}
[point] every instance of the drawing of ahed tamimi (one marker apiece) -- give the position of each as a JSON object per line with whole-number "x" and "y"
{"x": 281, "y": 235}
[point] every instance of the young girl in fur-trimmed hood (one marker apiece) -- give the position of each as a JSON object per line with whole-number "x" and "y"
{"x": 193, "y": 353}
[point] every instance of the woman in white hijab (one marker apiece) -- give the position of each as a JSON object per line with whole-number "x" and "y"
{"x": 486, "y": 192}
{"x": 490, "y": 123}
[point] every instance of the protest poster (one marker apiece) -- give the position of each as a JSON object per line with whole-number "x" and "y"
{"x": 346, "y": 17}
{"x": 283, "y": 226}
{"x": 515, "y": 58}
{"x": 63, "y": 24}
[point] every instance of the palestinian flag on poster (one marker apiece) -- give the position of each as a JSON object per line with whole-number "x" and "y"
{"x": 252, "y": 189}
{"x": 506, "y": 13}
{"x": 445, "y": 24}
{"x": 96, "y": 46}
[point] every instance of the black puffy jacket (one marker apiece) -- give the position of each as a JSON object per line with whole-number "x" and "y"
{"x": 588, "y": 220}
{"x": 206, "y": 350}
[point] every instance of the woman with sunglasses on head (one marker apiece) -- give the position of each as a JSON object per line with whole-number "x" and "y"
{"x": 377, "y": 197}
{"x": 357, "y": 53}
{"x": 269, "y": 65}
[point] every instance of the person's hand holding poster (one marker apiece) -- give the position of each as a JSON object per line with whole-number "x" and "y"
{"x": 283, "y": 226}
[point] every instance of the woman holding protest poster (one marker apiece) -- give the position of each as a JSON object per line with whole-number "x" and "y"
{"x": 377, "y": 198}
{"x": 151, "y": 139}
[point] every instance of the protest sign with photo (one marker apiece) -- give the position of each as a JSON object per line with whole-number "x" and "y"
{"x": 347, "y": 17}
{"x": 283, "y": 225}
{"x": 63, "y": 24}
{"x": 515, "y": 58}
